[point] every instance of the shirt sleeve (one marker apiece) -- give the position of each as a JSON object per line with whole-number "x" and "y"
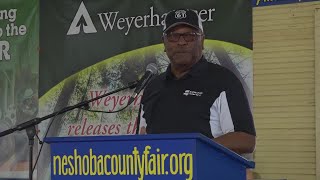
{"x": 239, "y": 106}
{"x": 143, "y": 122}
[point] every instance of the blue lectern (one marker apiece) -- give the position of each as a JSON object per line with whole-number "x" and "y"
{"x": 144, "y": 157}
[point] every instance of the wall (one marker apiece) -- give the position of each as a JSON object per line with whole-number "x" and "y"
{"x": 284, "y": 91}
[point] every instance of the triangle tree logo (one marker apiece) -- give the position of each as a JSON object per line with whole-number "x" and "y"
{"x": 81, "y": 22}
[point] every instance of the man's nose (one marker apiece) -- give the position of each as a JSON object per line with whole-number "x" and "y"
{"x": 181, "y": 40}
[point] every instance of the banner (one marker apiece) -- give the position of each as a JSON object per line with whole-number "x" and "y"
{"x": 19, "y": 45}
{"x": 257, "y": 3}
{"x": 89, "y": 48}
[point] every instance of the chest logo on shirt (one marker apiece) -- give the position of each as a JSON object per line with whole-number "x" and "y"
{"x": 192, "y": 93}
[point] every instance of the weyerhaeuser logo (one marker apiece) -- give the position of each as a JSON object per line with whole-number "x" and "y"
{"x": 82, "y": 22}
{"x": 76, "y": 26}
{"x": 148, "y": 162}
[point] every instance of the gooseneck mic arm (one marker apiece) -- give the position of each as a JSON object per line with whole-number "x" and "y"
{"x": 30, "y": 125}
{"x": 36, "y": 121}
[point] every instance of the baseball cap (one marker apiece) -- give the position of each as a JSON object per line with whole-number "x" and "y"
{"x": 182, "y": 16}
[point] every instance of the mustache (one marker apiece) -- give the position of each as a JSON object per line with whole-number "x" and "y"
{"x": 182, "y": 51}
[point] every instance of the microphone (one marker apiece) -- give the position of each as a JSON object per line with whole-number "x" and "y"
{"x": 151, "y": 70}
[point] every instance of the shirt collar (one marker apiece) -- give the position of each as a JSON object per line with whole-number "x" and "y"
{"x": 194, "y": 71}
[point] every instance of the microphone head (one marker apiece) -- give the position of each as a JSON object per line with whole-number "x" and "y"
{"x": 153, "y": 68}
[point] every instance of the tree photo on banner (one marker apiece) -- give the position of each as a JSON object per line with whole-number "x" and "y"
{"x": 19, "y": 69}
{"x": 89, "y": 48}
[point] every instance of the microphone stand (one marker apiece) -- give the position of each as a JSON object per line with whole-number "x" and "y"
{"x": 30, "y": 125}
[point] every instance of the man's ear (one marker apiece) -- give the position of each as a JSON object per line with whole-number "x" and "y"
{"x": 203, "y": 42}
{"x": 163, "y": 42}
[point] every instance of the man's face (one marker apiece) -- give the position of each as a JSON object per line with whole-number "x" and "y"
{"x": 183, "y": 45}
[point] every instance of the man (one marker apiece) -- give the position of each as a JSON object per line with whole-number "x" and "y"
{"x": 194, "y": 95}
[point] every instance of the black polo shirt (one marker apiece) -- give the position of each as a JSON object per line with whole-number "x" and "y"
{"x": 209, "y": 99}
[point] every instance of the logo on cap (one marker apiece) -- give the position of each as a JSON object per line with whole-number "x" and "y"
{"x": 180, "y": 14}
